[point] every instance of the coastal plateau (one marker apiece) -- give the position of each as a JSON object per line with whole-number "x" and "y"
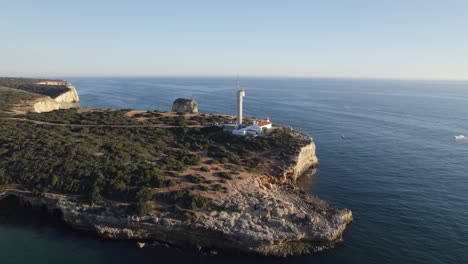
{"x": 166, "y": 178}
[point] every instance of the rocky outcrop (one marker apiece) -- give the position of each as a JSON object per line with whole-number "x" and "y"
{"x": 182, "y": 105}
{"x": 68, "y": 97}
{"x": 44, "y": 104}
{"x": 66, "y": 100}
{"x": 304, "y": 160}
{"x": 298, "y": 160}
{"x": 266, "y": 220}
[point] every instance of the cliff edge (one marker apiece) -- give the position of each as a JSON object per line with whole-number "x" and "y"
{"x": 37, "y": 95}
{"x": 66, "y": 100}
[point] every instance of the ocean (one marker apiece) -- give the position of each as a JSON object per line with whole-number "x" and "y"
{"x": 386, "y": 150}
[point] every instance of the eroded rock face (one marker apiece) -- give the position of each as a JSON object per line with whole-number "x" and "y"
{"x": 66, "y": 100}
{"x": 278, "y": 221}
{"x": 299, "y": 161}
{"x": 68, "y": 97}
{"x": 45, "y": 104}
{"x": 305, "y": 159}
{"x": 182, "y": 105}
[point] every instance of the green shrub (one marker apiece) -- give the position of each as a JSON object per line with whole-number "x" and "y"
{"x": 203, "y": 187}
{"x": 144, "y": 194}
{"x": 118, "y": 186}
{"x": 180, "y": 121}
{"x": 172, "y": 173}
{"x": 195, "y": 178}
{"x": 2, "y": 176}
{"x": 95, "y": 195}
{"x": 183, "y": 213}
{"x": 187, "y": 199}
{"x": 218, "y": 187}
{"x": 171, "y": 182}
{"x": 223, "y": 154}
{"x": 213, "y": 161}
{"x": 225, "y": 175}
{"x": 143, "y": 208}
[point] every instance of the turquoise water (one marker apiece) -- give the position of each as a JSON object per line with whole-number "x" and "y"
{"x": 398, "y": 167}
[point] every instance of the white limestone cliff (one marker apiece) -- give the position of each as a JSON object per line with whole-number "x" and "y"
{"x": 66, "y": 100}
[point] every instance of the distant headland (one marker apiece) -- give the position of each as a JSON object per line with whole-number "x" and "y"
{"x": 210, "y": 182}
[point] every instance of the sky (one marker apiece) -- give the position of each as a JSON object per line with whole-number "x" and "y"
{"x": 398, "y": 39}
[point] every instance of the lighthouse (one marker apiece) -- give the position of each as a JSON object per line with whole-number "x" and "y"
{"x": 240, "y": 94}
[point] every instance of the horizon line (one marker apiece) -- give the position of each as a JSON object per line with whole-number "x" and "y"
{"x": 51, "y": 76}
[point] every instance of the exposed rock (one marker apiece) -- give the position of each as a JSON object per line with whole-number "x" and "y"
{"x": 68, "y": 97}
{"x": 280, "y": 222}
{"x": 141, "y": 244}
{"x": 182, "y": 105}
{"x": 66, "y": 100}
{"x": 297, "y": 163}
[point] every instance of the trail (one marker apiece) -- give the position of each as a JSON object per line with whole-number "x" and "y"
{"x": 90, "y": 125}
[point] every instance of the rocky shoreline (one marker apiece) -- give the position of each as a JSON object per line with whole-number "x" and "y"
{"x": 263, "y": 216}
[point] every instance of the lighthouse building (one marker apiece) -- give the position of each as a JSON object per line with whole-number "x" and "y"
{"x": 240, "y": 129}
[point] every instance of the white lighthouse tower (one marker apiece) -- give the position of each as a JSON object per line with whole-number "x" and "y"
{"x": 240, "y": 94}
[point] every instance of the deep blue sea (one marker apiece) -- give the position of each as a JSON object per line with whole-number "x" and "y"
{"x": 386, "y": 149}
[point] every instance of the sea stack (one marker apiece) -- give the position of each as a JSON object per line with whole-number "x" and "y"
{"x": 182, "y": 105}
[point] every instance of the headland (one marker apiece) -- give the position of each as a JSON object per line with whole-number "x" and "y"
{"x": 163, "y": 178}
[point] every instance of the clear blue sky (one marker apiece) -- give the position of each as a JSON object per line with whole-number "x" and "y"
{"x": 329, "y": 38}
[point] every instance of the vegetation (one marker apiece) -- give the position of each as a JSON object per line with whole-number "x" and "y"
{"x": 197, "y": 178}
{"x": 112, "y": 162}
{"x": 30, "y": 85}
{"x": 10, "y": 97}
{"x": 182, "y": 101}
{"x": 16, "y": 82}
{"x": 126, "y": 164}
{"x": 204, "y": 168}
{"x": 187, "y": 199}
{"x": 143, "y": 196}
{"x": 225, "y": 175}
{"x": 73, "y": 116}
{"x": 218, "y": 187}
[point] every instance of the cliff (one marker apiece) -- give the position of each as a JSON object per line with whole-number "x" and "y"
{"x": 295, "y": 162}
{"x": 265, "y": 220}
{"x": 65, "y": 100}
{"x": 182, "y": 105}
{"x": 302, "y": 160}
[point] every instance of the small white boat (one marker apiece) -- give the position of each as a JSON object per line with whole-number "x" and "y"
{"x": 460, "y": 137}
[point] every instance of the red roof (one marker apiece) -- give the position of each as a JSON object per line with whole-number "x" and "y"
{"x": 263, "y": 123}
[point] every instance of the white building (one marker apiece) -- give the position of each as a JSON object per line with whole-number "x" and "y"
{"x": 265, "y": 123}
{"x": 240, "y": 132}
{"x": 255, "y": 129}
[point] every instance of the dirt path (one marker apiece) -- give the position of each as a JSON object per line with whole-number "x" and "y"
{"x": 7, "y": 187}
{"x": 84, "y": 125}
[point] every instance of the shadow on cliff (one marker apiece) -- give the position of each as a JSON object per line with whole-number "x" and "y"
{"x": 307, "y": 180}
